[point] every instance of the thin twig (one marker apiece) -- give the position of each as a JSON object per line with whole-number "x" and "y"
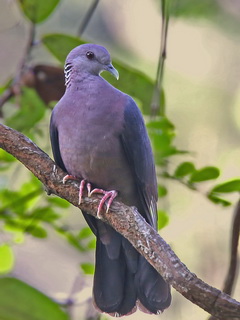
{"x": 14, "y": 88}
{"x": 156, "y": 105}
{"x": 7, "y": 94}
{"x": 232, "y": 270}
{"x": 87, "y": 17}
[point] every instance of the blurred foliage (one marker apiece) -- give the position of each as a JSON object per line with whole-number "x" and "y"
{"x": 194, "y": 9}
{"x": 61, "y": 44}
{"x": 27, "y": 211}
{"x": 29, "y": 111}
{"x": 87, "y": 268}
{"x": 37, "y": 11}
{"x": 7, "y": 258}
{"x": 19, "y": 301}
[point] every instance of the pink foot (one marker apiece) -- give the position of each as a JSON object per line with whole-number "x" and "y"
{"x": 81, "y": 186}
{"x": 69, "y": 177}
{"x": 108, "y": 195}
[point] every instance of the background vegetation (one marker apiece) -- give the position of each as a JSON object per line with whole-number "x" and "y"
{"x": 193, "y": 123}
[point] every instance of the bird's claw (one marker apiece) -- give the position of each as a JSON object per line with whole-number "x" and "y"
{"x": 89, "y": 189}
{"x": 81, "y": 186}
{"x": 108, "y": 195}
{"x": 68, "y": 177}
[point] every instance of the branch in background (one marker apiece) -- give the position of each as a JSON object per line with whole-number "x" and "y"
{"x": 87, "y": 17}
{"x": 7, "y": 94}
{"x": 15, "y": 87}
{"x": 27, "y": 52}
{"x": 156, "y": 104}
{"x": 232, "y": 269}
{"x": 127, "y": 221}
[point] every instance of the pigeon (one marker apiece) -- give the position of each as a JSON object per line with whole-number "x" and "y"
{"x": 98, "y": 136}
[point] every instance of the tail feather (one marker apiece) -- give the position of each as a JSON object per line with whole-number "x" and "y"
{"x": 153, "y": 292}
{"x": 123, "y": 277}
{"x": 113, "y": 288}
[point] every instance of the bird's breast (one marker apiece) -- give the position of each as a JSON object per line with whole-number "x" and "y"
{"x": 91, "y": 148}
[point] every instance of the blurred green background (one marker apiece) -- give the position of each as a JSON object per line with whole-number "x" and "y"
{"x": 202, "y": 100}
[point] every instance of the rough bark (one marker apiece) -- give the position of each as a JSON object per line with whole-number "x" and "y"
{"x": 127, "y": 221}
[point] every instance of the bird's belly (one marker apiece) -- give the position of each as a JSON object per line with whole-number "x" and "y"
{"x": 102, "y": 162}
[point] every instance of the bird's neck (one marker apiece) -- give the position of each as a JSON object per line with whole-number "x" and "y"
{"x": 74, "y": 77}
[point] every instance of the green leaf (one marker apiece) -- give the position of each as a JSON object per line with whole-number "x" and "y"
{"x": 218, "y": 200}
{"x": 204, "y": 174}
{"x": 60, "y": 44}
{"x": 31, "y": 110}
{"x": 92, "y": 244}
{"x": 85, "y": 233}
{"x": 199, "y": 9}
{"x": 58, "y": 202}
{"x": 37, "y": 11}
{"x": 184, "y": 169}
{"x": 162, "y": 191}
{"x": 163, "y": 219}
{"x": 229, "y": 186}
{"x": 87, "y": 268}
{"x": 161, "y": 124}
{"x": 46, "y": 214}
{"x": 5, "y": 160}
{"x": 161, "y": 132}
{"x": 74, "y": 241}
{"x": 6, "y": 258}
{"x": 6, "y": 157}
{"x": 19, "y": 301}
{"x": 37, "y": 232}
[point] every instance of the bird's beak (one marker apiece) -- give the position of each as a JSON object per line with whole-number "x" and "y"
{"x": 110, "y": 68}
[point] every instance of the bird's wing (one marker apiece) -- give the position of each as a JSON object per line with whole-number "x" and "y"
{"x": 136, "y": 145}
{"x": 55, "y": 144}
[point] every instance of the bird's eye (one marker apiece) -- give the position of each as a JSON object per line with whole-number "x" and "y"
{"x": 90, "y": 55}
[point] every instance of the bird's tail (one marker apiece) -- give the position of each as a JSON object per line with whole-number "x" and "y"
{"x": 113, "y": 290}
{"x": 122, "y": 277}
{"x": 152, "y": 291}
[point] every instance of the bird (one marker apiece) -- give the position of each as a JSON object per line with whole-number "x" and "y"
{"x": 98, "y": 136}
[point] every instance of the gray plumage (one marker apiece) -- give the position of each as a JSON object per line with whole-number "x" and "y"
{"x": 98, "y": 134}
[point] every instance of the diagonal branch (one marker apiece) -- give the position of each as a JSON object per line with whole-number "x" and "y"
{"x": 233, "y": 263}
{"x": 15, "y": 86}
{"x": 157, "y": 105}
{"x": 232, "y": 270}
{"x": 127, "y": 221}
{"x": 88, "y": 17}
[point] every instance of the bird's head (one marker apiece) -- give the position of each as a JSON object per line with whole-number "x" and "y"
{"x": 90, "y": 58}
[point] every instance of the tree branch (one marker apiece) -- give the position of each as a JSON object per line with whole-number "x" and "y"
{"x": 15, "y": 86}
{"x": 127, "y": 221}
{"x": 88, "y": 17}
{"x": 233, "y": 263}
{"x": 232, "y": 270}
{"x": 157, "y": 98}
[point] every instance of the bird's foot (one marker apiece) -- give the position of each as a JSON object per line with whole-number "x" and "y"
{"x": 108, "y": 195}
{"x": 81, "y": 186}
{"x": 69, "y": 177}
